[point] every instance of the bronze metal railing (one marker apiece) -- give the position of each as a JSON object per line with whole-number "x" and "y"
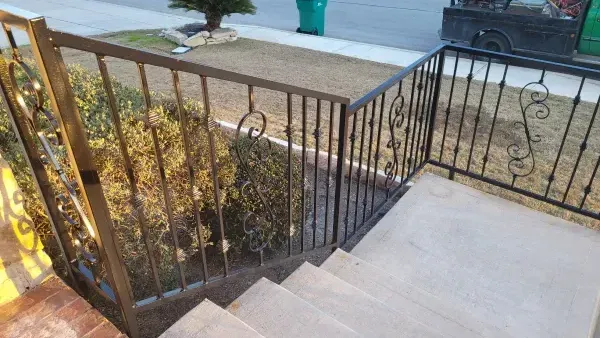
{"x": 354, "y": 158}
{"x": 47, "y": 113}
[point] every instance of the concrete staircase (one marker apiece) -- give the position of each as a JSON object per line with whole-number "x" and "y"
{"x": 345, "y": 297}
{"x": 477, "y": 267}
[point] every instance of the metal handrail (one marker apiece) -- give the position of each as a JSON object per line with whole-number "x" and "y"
{"x": 103, "y": 48}
{"x": 393, "y": 80}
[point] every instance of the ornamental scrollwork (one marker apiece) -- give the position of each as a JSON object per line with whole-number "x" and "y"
{"x": 29, "y": 99}
{"x": 256, "y": 153}
{"x": 395, "y": 122}
{"x": 535, "y": 105}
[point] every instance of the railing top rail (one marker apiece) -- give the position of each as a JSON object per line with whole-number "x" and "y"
{"x": 103, "y": 48}
{"x": 363, "y": 101}
{"x": 16, "y": 16}
{"x": 517, "y": 61}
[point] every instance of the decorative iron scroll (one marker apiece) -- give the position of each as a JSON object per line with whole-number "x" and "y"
{"x": 256, "y": 153}
{"x": 29, "y": 99}
{"x": 395, "y": 120}
{"x": 536, "y": 103}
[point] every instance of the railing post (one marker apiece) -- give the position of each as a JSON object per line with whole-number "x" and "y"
{"x": 56, "y": 81}
{"x": 339, "y": 174}
{"x": 436, "y": 97}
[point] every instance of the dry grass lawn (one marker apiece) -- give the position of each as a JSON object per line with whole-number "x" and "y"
{"x": 353, "y": 78}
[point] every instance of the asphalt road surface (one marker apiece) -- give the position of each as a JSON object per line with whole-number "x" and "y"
{"x": 408, "y": 24}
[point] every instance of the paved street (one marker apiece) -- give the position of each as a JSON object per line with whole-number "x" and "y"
{"x": 92, "y": 17}
{"x": 407, "y": 24}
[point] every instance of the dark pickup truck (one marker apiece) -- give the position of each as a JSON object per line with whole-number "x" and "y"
{"x": 526, "y": 30}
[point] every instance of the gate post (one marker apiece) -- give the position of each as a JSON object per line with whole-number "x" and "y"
{"x": 56, "y": 82}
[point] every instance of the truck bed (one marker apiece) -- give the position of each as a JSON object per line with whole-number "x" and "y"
{"x": 525, "y": 29}
{"x": 513, "y": 9}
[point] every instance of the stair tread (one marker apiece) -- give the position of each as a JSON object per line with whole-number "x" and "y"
{"x": 209, "y": 320}
{"x": 274, "y": 311}
{"x": 405, "y": 297}
{"x": 351, "y": 306}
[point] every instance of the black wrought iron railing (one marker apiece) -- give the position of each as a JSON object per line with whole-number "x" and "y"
{"x": 307, "y": 169}
{"x": 525, "y": 125}
{"x": 388, "y": 138}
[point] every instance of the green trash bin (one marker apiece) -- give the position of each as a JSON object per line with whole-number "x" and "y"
{"x": 312, "y": 16}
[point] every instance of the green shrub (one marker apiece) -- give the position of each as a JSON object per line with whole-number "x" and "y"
{"x": 96, "y": 116}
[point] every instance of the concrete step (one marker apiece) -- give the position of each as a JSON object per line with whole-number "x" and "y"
{"x": 404, "y": 297}
{"x": 351, "y": 306}
{"x": 209, "y": 320}
{"x": 276, "y": 312}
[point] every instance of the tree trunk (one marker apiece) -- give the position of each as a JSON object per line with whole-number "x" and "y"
{"x": 213, "y": 21}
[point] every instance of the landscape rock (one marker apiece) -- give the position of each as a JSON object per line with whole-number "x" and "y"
{"x": 175, "y": 36}
{"x": 222, "y": 33}
{"x": 234, "y": 33}
{"x": 191, "y": 28}
{"x": 213, "y": 41}
{"x": 195, "y": 41}
{"x": 231, "y": 38}
{"x": 205, "y": 34}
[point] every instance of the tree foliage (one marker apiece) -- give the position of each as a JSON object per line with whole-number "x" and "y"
{"x": 215, "y": 10}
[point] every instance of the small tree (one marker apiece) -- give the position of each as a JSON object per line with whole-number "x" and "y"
{"x": 215, "y": 10}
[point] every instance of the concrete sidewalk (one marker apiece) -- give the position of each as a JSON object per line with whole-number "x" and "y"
{"x": 88, "y": 17}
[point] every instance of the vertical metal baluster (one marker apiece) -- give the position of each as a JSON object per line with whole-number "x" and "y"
{"x": 412, "y": 161}
{"x": 377, "y": 154}
{"x": 582, "y": 148}
{"x": 317, "y": 135}
{"x": 528, "y": 136}
{"x": 339, "y": 174}
{"x": 329, "y": 156}
{"x": 136, "y": 198}
{"x": 462, "y": 117}
{"x": 152, "y": 123}
{"x": 428, "y": 128}
{"x": 448, "y": 109}
{"x": 478, "y": 116}
{"x": 290, "y": 133}
{"x": 193, "y": 189}
{"x": 211, "y": 125}
{"x": 390, "y": 121}
{"x": 423, "y": 111}
{"x": 303, "y": 173}
{"x": 404, "y": 159}
{"x": 352, "y": 141}
{"x": 251, "y": 109}
{"x": 371, "y": 127}
{"x": 502, "y": 84}
{"x": 359, "y": 170}
{"x": 576, "y": 102}
{"x": 588, "y": 188}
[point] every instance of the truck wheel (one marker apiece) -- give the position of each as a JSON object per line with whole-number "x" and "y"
{"x": 493, "y": 41}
